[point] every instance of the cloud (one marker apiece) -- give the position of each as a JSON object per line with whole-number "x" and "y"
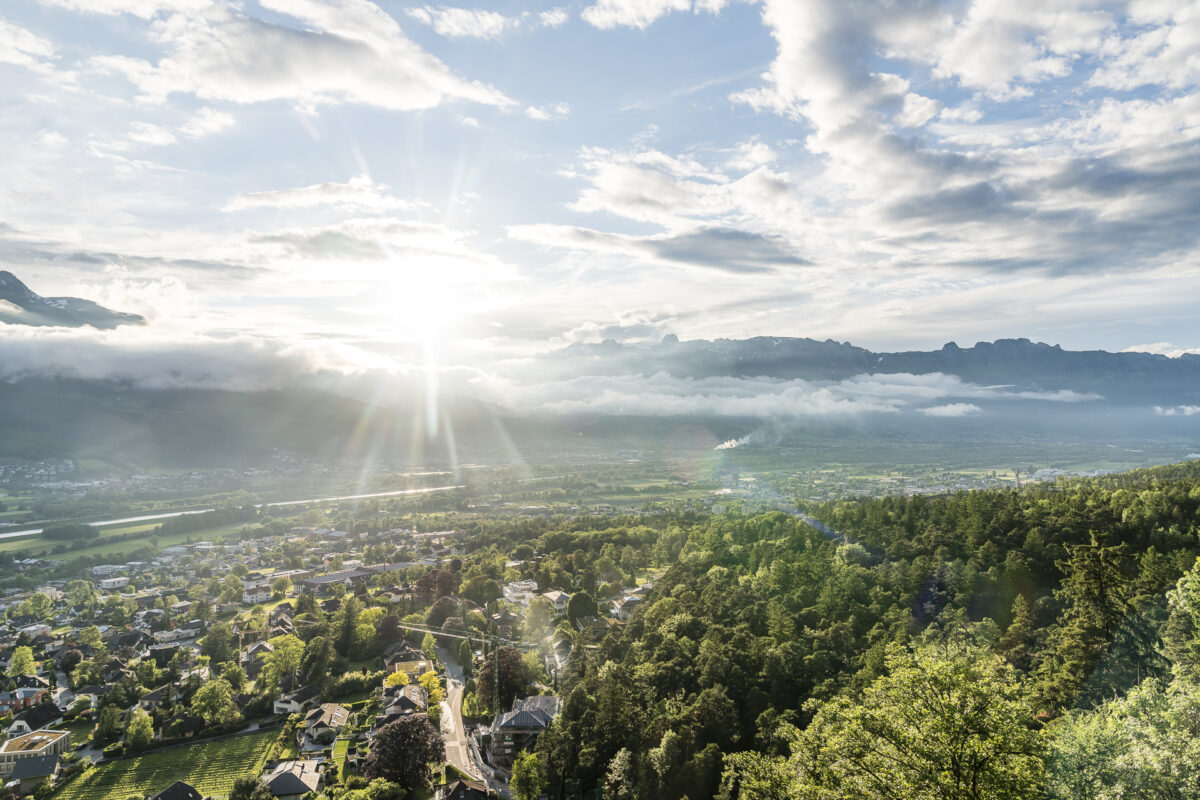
{"x": 1162, "y": 348}
{"x": 554, "y": 18}
{"x": 952, "y": 410}
{"x": 725, "y": 249}
{"x": 145, "y": 9}
{"x": 350, "y": 51}
{"x": 360, "y": 192}
{"x": 665, "y": 395}
{"x": 544, "y": 113}
{"x": 608, "y": 14}
{"x": 478, "y": 23}
{"x": 23, "y": 48}
{"x": 1161, "y": 51}
{"x": 153, "y": 359}
{"x": 463, "y": 22}
{"x": 1177, "y": 411}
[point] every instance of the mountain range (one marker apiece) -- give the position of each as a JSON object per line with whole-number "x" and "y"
{"x": 20, "y": 305}
{"x": 1128, "y": 378}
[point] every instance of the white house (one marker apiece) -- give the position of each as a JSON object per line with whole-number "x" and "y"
{"x": 558, "y": 599}
{"x": 520, "y": 592}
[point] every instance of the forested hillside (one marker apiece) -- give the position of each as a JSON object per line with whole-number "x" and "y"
{"x": 1040, "y": 642}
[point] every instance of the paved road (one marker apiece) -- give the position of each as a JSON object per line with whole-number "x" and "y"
{"x": 460, "y": 751}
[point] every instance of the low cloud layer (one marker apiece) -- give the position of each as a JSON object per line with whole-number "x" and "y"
{"x": 666, "y": 395}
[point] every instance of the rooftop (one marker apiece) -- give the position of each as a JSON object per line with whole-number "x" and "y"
{"x": 32, "y": 741}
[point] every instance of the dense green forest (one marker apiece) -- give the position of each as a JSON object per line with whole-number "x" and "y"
{"x": 1042, "y": 642}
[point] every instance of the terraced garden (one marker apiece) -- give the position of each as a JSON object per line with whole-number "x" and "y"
{"x": 211, "y": 767}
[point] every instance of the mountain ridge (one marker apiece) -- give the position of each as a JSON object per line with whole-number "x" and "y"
{"x": 20, "y": 305}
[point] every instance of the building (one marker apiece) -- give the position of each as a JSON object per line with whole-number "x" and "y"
{"x": 112, "y": 583}
{"x": 30, "y": 773}
{"x": 291, "y": 780}
{"x": 254, "y": 592}
{"x": 298, "y": 701}
{"x": 558, "y": 599}
{"x": 464, "y": 790}
{"x": 43, "y": 715}
{"x": 520, "y": 592}
{"x": 518, "y": 729}
{"x": 38, "y": 744}
{"x": 178, "y": 791}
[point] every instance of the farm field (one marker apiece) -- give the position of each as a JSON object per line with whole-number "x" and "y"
{"x": 35, "y": 545}
{"x": 211, "y": 767}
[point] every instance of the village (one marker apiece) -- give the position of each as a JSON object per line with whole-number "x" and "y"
{"x": 294, "y": 660}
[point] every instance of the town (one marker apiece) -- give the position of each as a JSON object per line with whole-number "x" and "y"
{"x": 298, "y": 661}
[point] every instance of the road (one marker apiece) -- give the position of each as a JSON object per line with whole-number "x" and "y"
{"x": 460, "y": 751}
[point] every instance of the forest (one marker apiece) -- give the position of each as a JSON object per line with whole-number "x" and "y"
{"x": 1040, "y": 642}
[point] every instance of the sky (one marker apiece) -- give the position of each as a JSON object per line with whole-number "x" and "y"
{"x": 288, "y": 185}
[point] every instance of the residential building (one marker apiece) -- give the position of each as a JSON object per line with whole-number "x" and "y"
{"x": 520, "y": 592}
{"x": 517, "y": 730}
{"x": 36, "y": 744}
{"x": 178, "y": 791}
{"x": 291, "y": 780}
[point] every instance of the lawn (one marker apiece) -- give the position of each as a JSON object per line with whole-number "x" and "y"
{"x": 211, "y": 767}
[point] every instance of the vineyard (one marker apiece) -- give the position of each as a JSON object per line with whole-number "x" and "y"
{"x": 211, "y": 767}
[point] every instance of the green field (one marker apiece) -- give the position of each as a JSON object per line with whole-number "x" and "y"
{"x": 211, "y": 767}
{"x": 33, "y": 545}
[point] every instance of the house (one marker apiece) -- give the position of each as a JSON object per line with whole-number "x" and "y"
{"x": 520, "y": 592}
{"x": 32, "y": 682}
{"x": 558, "y": 599}
{"x": 297, "y": 702}
{"x": 43, "y": 715}
{"x": 291, "y": 780}
{"x": 31, "y": 773}
{"x": 21, "y": 699}
{"x": 181, "y": 726}
{"x": 328, "y": 718}
{"x": 463, "y": 790}
{"x": 153, "y": 699}
{"x": 623, "y": 609}
{"x": 517, "y": 730}
{"x": 112, "y": 583}
{"x": 178, "y": 791}
{"x": 34, "y": 744}
{"x": 402, "y": 701}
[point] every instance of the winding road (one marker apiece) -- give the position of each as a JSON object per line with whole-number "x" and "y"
{"x": 460, "y": 750}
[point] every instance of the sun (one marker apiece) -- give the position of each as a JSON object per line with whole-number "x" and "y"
{"x": 424, "y": 302}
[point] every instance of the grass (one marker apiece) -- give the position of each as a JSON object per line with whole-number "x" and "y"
{"x": 33, "y": 544}
{"x": 211, "y": 767}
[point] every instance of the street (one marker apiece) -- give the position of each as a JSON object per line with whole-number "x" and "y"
{"x": 459, "y": 750}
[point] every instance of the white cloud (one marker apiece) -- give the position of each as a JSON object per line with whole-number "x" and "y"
{"x": 206, "y": 121}
{"x": 154, "y": 358}
{"x": 544, "y": 113}
{"x": 952, "y": 410}
{"x": 23, "y": 48}
{"x": 472, "y": 23}
{"x": 1177, "y": 411}
{"x": 666, "y": 395}
{"x": 351, "y": 52}
{"x": 360, "y": 192}
{"x": 607, "y": 14}
{"x": 1162, "y": 52}
{"x": 147, "y": 133}
{"x": 138, "y": 8}
{"x": 1163, "y": 349}
{"x": 554, "y": 18}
